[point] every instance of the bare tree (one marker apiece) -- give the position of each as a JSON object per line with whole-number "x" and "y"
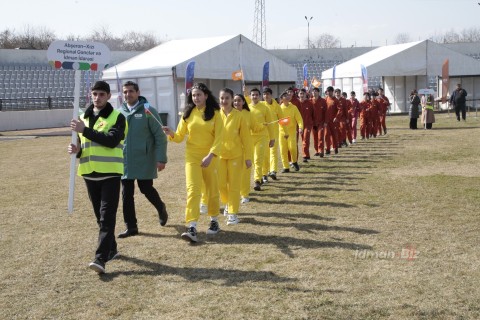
{"x": 325, "y": 41}
{"x": 104, "y": 35}
{"x": 136, "y": 41}
{"x": 8, "y": 39}
{"x": 470, "y": 35}
{"x": 402, "y": 38}
{"x": 451, "y": 37}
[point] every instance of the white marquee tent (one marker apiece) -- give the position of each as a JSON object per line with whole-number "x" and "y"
{"x": 405, "y": 67}
{"x": 160, "y": 71}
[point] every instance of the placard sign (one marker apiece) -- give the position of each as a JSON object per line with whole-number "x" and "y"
{"x": 78, "y": 55}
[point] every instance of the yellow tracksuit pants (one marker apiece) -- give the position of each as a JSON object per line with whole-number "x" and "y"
{"x": 195, "y": 175}
{"x": 260, "y": 143}
{"x": 286, "y": 145}
{"x": 230, "y": 173}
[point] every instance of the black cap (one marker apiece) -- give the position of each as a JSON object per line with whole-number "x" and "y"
{"x": 102, "y": 86}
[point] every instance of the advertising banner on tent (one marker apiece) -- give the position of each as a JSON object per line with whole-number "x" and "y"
{"x": 305, "y": 76}
{"x": 189, "y": 75}
{"x": 364, "y": 78}
{"x": 266, "y": 74}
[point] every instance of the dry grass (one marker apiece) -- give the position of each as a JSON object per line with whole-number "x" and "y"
{"x": 323, "y": 243}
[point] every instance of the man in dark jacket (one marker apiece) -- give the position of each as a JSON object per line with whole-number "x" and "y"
{"x": 145, "y": 153}
{"x": 459, "y": 101}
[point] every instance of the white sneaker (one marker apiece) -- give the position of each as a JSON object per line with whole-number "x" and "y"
{"x": 203, "y": 208}
{"x": 225, "y": 211}
{"x": 245, "y": 200}
{"x": 354, "y": 141}
{"x": 232, "y": 219}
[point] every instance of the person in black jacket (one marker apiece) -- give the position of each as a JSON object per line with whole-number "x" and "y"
{"x": 413, "y": 112}
{"x": 459, "y": 101}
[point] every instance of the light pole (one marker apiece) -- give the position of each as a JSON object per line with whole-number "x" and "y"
{"x": 308, "y": 27}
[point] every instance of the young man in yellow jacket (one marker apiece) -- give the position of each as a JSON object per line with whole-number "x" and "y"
{"x": 288, "y": 132}
{"x": 260, "y": 139}
{"x": 270, "y": 164}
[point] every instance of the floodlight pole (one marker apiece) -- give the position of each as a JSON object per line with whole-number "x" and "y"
{"x": 308, "y": 30}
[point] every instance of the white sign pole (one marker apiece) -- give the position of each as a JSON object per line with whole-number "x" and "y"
{"x": 73, "y": 160}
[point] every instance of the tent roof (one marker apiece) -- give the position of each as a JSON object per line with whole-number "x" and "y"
{"x": 408, "y": 59}
{"x": 215, "y": 58}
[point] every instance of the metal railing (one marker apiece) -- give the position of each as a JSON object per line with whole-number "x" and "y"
{"x": 29, "y": 104}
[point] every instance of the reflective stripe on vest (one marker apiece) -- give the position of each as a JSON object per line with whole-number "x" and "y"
{"x": 98, "y": 158}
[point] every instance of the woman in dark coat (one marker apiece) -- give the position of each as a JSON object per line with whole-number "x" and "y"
{"x": 414, "y": 109}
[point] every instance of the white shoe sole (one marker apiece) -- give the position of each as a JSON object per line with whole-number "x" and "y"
{"x": 188, "y": 237}
{"x": 97, "y": 268}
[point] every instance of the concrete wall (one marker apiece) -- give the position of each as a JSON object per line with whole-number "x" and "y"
{"x": 23, "y": 120}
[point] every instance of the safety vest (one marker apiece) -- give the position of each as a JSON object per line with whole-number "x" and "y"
{"x": 429, "y": 106}
{"x": 96, "y": 157}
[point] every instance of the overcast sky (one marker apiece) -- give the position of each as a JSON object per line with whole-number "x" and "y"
{"x": 354, "y": 22}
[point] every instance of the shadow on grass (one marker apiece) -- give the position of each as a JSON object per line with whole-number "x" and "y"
{"x": 289, "y": 216}
{"x": 230, "y": 277}
{"x": 309, "y": 227}
{"x": 285, "y": 244}
{"x": 305, "y": 203}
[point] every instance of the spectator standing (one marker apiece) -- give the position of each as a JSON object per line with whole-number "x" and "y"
{"x": 458, "y": 99}
{"x": 413, "y": 112}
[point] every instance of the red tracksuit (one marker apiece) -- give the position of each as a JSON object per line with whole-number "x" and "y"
{"x": 330, "y": 126}
{"x": 319, "y": 108}
{"x": 306, "y": 110}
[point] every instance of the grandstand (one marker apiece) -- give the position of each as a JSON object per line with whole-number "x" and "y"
{"x": 28, "y": 82}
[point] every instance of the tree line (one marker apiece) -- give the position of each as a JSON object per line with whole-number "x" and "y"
{"x": 40, "y": 38}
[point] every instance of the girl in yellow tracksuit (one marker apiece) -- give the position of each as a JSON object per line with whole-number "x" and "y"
{"x": 203, "y": 124}
{"x": 288, "y": 142}
{"x": 240, "y": 103}
{"x": 236, "y": 149}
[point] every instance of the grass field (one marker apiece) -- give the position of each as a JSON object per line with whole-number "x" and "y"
{"x": 387, "y": 229}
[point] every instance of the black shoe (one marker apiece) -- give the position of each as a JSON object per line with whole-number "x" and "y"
{"x": 128, "y": 233}
{"x": 285, "y": 170}
{"x": 327, "y": 152}
{"x": 295, "y": 165}
{"x": 317, "y": 154}
{"x": 304, "y": 160}
{"x": 336, "y": 150}
{"x": 321, "y": 155}
{"x": 214, "y": 227}
{"x": 264, "y": 179}
{"x": 163, "y": 215}
{"x": 112, "y": 255}
{"x": 190, "y": 234}
{"x": 257, "y": 186}
{"x": 273, "y": 175}
{"x": 97, "y": 265}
